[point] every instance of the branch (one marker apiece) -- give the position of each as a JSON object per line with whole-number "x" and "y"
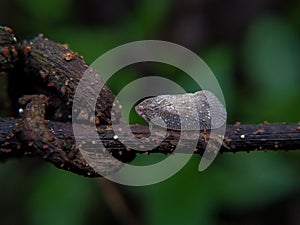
{"x": 50, "y": 73}
{"x": 276, "y": 137}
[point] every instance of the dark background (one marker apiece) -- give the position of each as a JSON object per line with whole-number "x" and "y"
{"x": 253, "y": 49}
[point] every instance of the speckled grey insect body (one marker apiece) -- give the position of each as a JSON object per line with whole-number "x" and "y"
{"x": 201, "y": 110}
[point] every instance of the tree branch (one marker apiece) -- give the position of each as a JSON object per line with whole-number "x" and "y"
{"x": 259, "y": 137}
{"x": 44, "y": 67}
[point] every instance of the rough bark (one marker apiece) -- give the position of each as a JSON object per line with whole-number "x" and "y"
{"x": 277, "y": 137}
{"x": 47, "y": 73}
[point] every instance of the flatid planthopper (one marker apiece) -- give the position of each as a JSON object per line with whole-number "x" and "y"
{"x": 201, "y": 110}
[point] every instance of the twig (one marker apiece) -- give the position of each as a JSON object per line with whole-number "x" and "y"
{"x": 275, "y": 137}
{"x": 42, "y": 66}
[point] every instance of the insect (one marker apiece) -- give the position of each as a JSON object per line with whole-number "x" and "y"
{"x": 201, "y": 110}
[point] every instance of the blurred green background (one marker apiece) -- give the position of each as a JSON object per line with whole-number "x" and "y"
{"x": 253, "y": 49}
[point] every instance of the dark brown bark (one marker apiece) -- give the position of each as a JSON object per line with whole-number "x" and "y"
{"x": 8, "y": 52}
{"x": 243, "y": 138}
{"x": 49, "y": 72}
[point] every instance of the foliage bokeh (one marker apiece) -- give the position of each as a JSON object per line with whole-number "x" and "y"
{"x": 253, "y": 49}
